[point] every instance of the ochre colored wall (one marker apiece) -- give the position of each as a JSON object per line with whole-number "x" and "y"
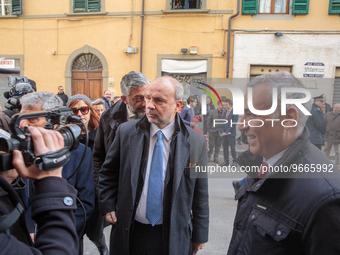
{"x": 44, "y": 28}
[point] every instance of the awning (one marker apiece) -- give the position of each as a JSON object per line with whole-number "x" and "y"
{"x": 181, "y": 66}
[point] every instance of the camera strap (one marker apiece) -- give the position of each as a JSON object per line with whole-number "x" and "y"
{"x": 52, "y": 160}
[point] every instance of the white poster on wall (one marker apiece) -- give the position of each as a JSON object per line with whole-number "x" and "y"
{"x": 8, "y": 63}
{"x": 314, "y": 69}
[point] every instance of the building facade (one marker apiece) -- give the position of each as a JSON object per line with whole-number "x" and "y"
{"x": 87, "y": 46}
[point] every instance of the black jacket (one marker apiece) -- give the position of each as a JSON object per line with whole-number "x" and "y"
{"x": 283, "y": 213}
{"x": 63, "y": 97}
{"x": 92, "y": 137}
{"x": 106, "y": 132}
{"x": 52, "y": 209}
{"x": 316, "y": 125}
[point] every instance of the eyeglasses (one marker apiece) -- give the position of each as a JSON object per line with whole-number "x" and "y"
{"x": 84, "y": 110}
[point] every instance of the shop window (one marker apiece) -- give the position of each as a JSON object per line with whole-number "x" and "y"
{"x": 10, "y": 7}
{"x": 186, "y": 4}
{"x": 86, "y": 5}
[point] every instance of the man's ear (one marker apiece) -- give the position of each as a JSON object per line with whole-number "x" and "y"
{"x": 124, "y": 99}
{"x": 291, "y": 118}
{"x": 179, "y": 104}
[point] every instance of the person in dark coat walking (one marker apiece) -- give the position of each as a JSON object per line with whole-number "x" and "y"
{"x": 332, "y": 137}
{"x": 215, "y": 138}
{"x": 52, "y": 206}
{"x": 107, "y": 99}
{"x": 131, "y": 107}
{"x": 146, "y": 187}
{"x": 210, "y": 107}
{"x": 228, "y": 133}
{"x": 62, "y": 95}
{"x": 288, "y": 204}
{"x": 316, "y": 122}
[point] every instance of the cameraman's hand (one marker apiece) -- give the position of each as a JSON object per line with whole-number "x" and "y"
{"x": 44, "y": 141}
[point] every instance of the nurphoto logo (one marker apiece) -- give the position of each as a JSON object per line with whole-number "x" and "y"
{"x": 238, "y": 103}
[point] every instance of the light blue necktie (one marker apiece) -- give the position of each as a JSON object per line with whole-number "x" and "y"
{"x": 154, "y": 198}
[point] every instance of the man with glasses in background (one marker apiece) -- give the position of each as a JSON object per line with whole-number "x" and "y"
{"x": 131, "y": 107}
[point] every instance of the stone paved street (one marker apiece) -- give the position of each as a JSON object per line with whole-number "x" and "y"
{"x": 222, "y": 212}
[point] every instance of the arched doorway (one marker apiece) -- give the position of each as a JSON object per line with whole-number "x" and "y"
{"x": 87, "y": 76}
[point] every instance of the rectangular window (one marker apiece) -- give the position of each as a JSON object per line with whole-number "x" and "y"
{"x": 6, "y": 7}
{"x": 334, "y": 7}
{"x": 257, "y": 70}
{"x": 186, "y": 4}
{"x": 273, "y": 6}
{"x": 86, "y": 6}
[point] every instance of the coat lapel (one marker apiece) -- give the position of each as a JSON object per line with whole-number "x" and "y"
{"x": 181, "y": 160}
{"x": 136, "y": 145}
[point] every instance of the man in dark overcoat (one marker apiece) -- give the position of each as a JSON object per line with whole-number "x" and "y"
{"x": 171, "y": 217}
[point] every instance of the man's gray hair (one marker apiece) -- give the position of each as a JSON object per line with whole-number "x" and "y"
{"x": 46, "y": 99}
{"x": 131, "y": 81}
{"x": 283, "y": 80}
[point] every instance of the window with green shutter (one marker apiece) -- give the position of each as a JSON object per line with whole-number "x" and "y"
{"x": 300, "y": 6}
{"x": 86, "y": 6}
{"x": 334, "y": 7}
{"x": 16, "y": 7}
{"x": 249, "y": 7}
{"x": 10, "y": 7}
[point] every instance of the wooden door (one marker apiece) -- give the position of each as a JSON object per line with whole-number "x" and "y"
{"x": 89, "y": 83}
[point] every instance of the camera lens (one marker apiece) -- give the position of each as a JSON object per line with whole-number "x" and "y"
{"x": 70, "y": 134}
{"x": 9, "y": 145}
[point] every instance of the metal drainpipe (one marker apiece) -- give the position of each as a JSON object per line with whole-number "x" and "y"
{"x": 229, "y": 35}
{"x": 141, "y": 39}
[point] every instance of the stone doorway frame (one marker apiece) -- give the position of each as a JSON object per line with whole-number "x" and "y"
{"x": 74, "y": 55}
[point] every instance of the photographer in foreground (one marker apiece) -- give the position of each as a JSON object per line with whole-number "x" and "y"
{"x": 52, "y": 205}
{"x": 82, "y": 180}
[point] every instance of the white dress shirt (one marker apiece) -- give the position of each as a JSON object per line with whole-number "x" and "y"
{"x": 167, "y": 134}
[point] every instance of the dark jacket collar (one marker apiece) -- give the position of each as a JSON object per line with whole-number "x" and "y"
{"x": 316, "y": 106}
{"x": 118, "y": 113}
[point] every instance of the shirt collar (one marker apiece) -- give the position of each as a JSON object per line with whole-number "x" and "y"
{"x": 167, "y": 131}
{"x": 188, "y": 106}
{"x": 275, "y": 158}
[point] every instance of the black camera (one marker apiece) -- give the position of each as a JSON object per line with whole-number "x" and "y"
{"x": 21, "y": 139}
{"x": 19, "y": 86}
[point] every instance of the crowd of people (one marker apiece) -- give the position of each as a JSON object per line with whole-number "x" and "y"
{"x": 138, "y": 173}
